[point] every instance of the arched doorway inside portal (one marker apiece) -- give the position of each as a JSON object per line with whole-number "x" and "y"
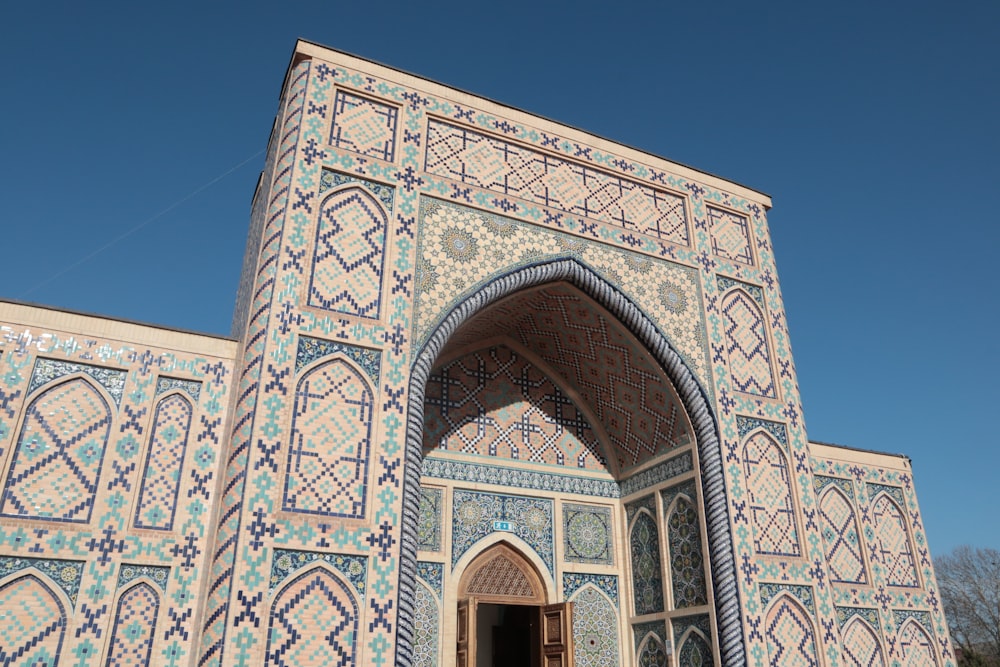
{"x": 450, "y": 340}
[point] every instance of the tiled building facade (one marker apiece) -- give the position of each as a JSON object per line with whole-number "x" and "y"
{"x": 476, "y": 355}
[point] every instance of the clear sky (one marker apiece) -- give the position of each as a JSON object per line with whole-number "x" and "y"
{"x": 873, "y": 125}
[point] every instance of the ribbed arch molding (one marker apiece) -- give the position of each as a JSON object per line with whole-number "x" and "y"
{"x": 690, "y": 392}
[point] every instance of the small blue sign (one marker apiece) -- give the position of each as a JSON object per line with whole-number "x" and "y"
{"x": 503, "y": 525}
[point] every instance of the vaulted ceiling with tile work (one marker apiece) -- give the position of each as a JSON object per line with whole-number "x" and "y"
{"x": 597, "y": 358}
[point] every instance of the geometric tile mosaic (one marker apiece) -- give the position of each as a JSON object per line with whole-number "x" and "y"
{"x": 164, "y": 461}
{"x": 347, "y": 264}
{"x": 476, "y": 515}
{"x": 312, "y": 349}
{"x": 500, "y": 166}
{"x": 57, "y": 463}
{"x": 595, "y": 630}
{"x": 46, "y": 370}
{"x": 661, "y": 472}
{"x": 841, "y": 537}
{"x": 790, "y": 634}
{"x": 916, "y": 646}
{"x": 461, "y": 249}
{"x": 613, "y": 374}
{"x": 894, "y": 542}
{"x": 32, "y": 623}
{"x": 135, "y": 626}
{"x": 770, "y": 496}
{"x": 313, "y": 621}
{"x": 862, "y": 647}
{"x": 426, "y": 628}
{"x": 687, "y": 567}
{"x": 165, "y": 384}
{"x": 364, "y": 126}
{"x": 286, "y": 562}
{"x": 587, "y": 534}
{"x": 493, "y": 403}
{"x": 746, "y": 343}
{"x": 327, "y": 472}
{"x": 519, "y": 478}
{"x": 647, "y": 576}
{"x": 429, "y": 521}
{"x": 66, "y": 574}
{"x": 730, "y": 235}
{"x": 804, "y": 594}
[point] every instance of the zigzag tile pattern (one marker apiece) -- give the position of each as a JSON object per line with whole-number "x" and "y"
{"x": 349, "y": 254}
{"x": 916, "y": 648}
{"x": 59, "y": 453}
{"x": 327, "y": 471}
{"x": 162, "y": 477}
{"x": 494, "y": 403}
{"x": 893, "y": 542}
{"x": 500, "y": 166}
{"x": 730, "y": 235}
{"x": 32, "y": 623}
{"x": 746, "y": 345}
{"x": 861, "y": 646}
{"x": 841, "y": 537}
{"x": 768, "y": 483}
{"x": 313, "y": 621}
{"x": 135, "y": 627}
{"x": 790, "y": 636}
{"x": 364, "y": 126}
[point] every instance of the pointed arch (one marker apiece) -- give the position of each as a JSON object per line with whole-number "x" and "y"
{"x": 694, "y": 650}
{"x": 427, "y": 627}
{"x": 841, "y": 537}
{"x": 161, "y": 477}
{"x": 862, "y": 647}
{"x": 313, "y": 620}
{"x": 789, "y": 633}
{"x": 327, "y": 465}
{"x": 135, "y": 626}
{"x": 32, "y": 623}
{"x": 693, "y": 398}
{"x": 916, "y": 648}
{"x": 651, "y": 653}
{"x": 687, "y": 568}
{"x": 348, "y": 258}
{"x": 769, "y": 487}
{"x": 894, "y": 542}
{"x": 60, "y": 450}
{"x": 502, "y": 574}
{"x": 595, "y": 629}
{"x": 647, "y": 570}
{"x": 746, "y": 343}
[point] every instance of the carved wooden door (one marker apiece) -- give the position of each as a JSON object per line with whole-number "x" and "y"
{"x": 557, "y": 635}
{"x": 466, "y": 636}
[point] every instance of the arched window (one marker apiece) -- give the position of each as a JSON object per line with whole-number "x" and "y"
{"x": 313, "y": 621}
{"x": 33, "y": 623}
{"x": 861, "y": 645}
{"x": 746, "y": 342}
{"x": 348, "y": 258}
{"x": 327, "y": 470}
{"x": 841, "y": 537}
{"x": 161, "y": 478}
{"x": 770, "y": 491}
{"x": 791, "y": 639}
{"x": 57, "y": 461}
{"x": 135, "y": 627}
{"x": 893, "y": 542}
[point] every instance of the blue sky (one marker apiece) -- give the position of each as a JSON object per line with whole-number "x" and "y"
{"x": 872, "y": 125}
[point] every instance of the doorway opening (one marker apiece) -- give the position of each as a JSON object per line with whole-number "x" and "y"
{"x": 507, "y": 635}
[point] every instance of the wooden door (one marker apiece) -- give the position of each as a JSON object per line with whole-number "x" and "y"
{"x": 466, "y": 636}
{"x": 557, "y": 635}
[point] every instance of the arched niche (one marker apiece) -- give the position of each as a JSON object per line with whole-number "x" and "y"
{"x": 502, "y": 575}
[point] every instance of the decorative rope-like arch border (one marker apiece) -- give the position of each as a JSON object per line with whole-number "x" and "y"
{"x": 693, "y": 397}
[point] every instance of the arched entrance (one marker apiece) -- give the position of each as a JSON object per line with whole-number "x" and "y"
{"x": 639, "y": 424}
{"x": 503, "y": 617}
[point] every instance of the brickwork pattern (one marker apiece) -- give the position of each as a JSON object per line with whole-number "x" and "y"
{"x": 768, "y": 483}
{"x": 135, "y": 627}
{"x": 164, "y": 463}
{"x": 32, "y": 623}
